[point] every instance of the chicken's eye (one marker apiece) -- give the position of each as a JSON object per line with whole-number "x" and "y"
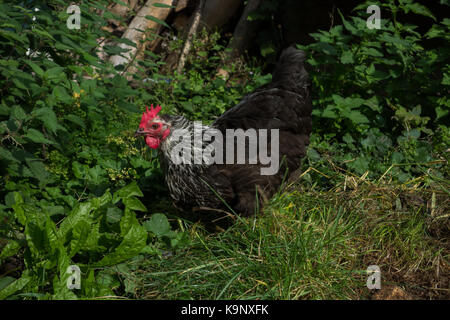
{"x": 155, "y": 126}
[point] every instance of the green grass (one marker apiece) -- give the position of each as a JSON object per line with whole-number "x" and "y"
{"x": 307, "y": 245}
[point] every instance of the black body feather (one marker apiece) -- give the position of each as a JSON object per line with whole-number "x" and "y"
{"x": 283, "y": 104}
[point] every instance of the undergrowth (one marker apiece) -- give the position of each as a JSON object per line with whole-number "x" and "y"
{"x": 312, "y": 244}
{"x": 77, "y": 188}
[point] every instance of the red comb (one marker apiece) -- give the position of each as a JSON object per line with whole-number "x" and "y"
{"x": 149, "y": 114}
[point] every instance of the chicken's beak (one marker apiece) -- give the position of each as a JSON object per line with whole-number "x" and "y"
{"x": 139, "y": 133}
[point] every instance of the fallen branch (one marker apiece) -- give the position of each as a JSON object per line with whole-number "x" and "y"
{"x": 121, "y": 10}
{"x": 136, "y": 30}
{"x": 192, "y": 30}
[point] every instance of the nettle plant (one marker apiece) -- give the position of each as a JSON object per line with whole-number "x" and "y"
{"x": 56, "y": 96}
{"x": 66, "y": 128}
{"x": 380, "y": 94}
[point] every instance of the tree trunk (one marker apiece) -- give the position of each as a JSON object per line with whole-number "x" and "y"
{"x": 218, "y": 12}
{"x": 134, "y": 33}
{"x": 244, "y": 30}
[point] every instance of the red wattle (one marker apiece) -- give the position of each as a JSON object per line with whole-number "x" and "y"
{"x": 152, "y": 142}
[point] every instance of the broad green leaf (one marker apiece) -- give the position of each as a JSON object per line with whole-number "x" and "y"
{"x": 7, "y": 155}
{"x": 15, "y": 286}
{"x": 91, "y": 243}
{"x": 6, "y": 281}
{"x": 43, "y": 33}
{"x": 101, "y": 201}
{"x": 348, "y": 25}
{"x": 54, "y": 241}
{"x": 81, "y": 212}
{"x": 128, "y": 219}
{"x": 36, "y": 236}
{"x": 54, "y": 73}
{"x": 20, "y": 84}
{"x": 10, "y": 249}
{"x": 157, "y": 224}
{"x": 18, "y": 209}
{"x": 75, "y": 119}
{"x": 37, "y": 137}
{"x": 446, "y": 79}
{"x": 422, "y": 154}
{"x": 60, "y": 93}
{"x": 133, "y": 203}
{"x": 441, "y": 112}
{"x": 60, "y": 288}
{"x": 373, "y": 104}
{"x": 329, "y": 112}
{"x": 38, "y": 171}
{"x": 80, "y": 233}
{"x": 418, "y": 8}
{"x": 347, "y": 57}
{"x": 48, "y": 118}
{"x": 372, "y": 52}
{"x": 130, "y": 190}
{"x": 18, "y": 113}
{"x": 38, "y": 70}
{"x": 360, "y": 165}
{"x": 397, "y": 157}
{"x": 80, "y": 170}
{"x": 113, "y": 215}
{"x": 133, "y": 243}
{"x": 22, "y": 38}
{"x": 357, "y": 117}
{"x": 96, "y": 175}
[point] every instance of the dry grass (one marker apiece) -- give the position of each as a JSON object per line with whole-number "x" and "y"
{"x": 313, "y": 243}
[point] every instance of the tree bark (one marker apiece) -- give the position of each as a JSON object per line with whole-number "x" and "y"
{"x": 218, "y": 12}
{"x": 121, "y": 10}
{"x": 181, "y": 5}
{"x": 134, "y": 31}
{"x": 192, "y": 30}
{"x": 115, "y": 25}
{"x": 244, "y": 30}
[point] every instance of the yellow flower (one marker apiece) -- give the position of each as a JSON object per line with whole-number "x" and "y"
{"x": 290, "y": 206}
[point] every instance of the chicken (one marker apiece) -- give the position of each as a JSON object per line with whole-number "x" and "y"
{"x": 222, "y": 168}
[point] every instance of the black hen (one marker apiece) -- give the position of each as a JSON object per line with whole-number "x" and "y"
{"x": 283, "y": 107}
